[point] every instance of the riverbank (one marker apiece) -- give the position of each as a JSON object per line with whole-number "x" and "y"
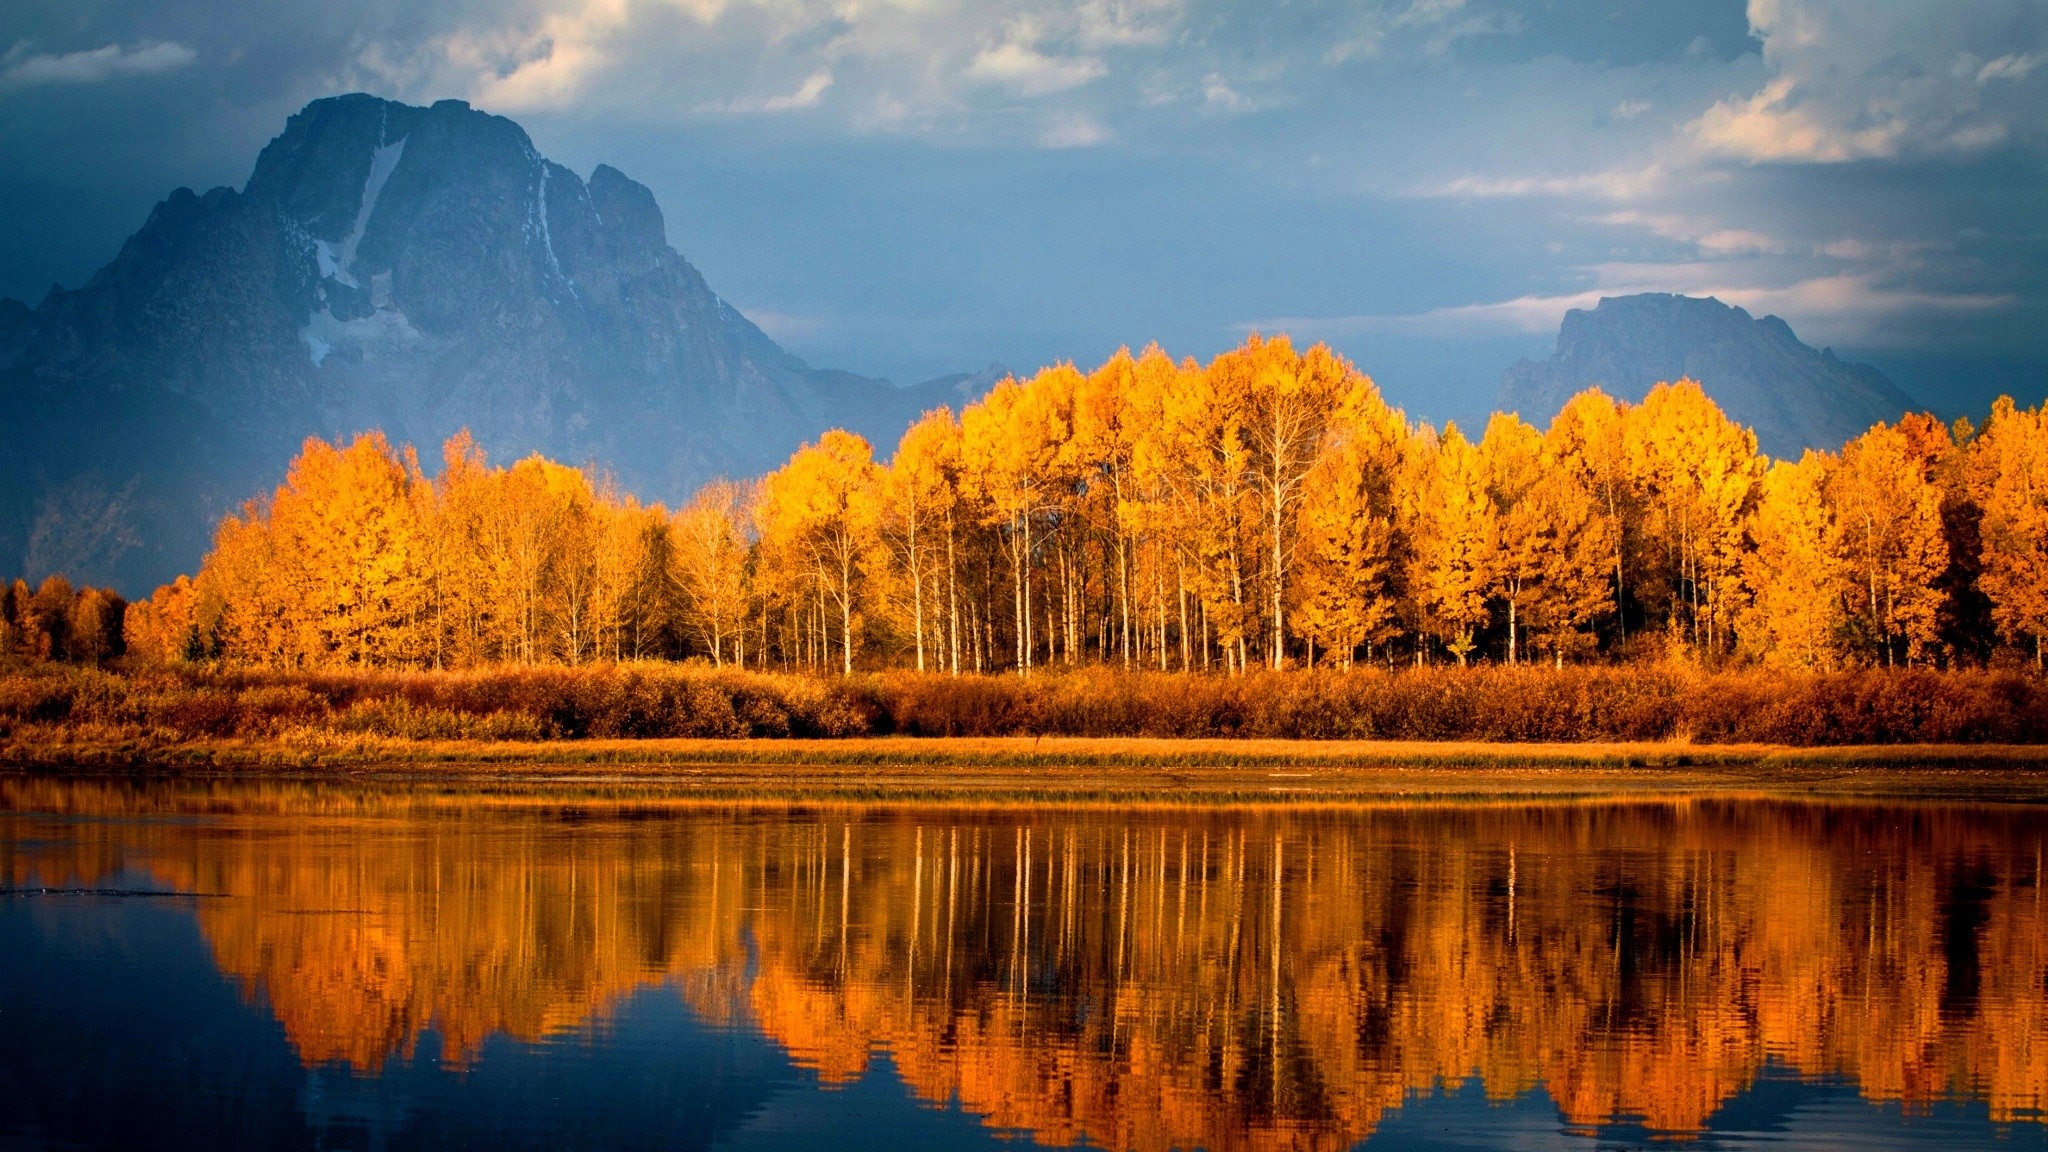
{"x": 1070, "y": 769}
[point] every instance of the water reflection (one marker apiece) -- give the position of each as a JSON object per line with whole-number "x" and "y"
{"x": 1277, "y": 978}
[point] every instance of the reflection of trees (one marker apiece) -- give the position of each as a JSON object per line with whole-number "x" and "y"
{"x": 1228, "y": 979}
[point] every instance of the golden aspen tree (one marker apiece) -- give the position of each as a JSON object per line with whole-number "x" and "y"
{"x": 1010, "y": 448}
{"x": 1698, "y": 471}
{"x": 1574, "y": 586}
{"x": 522, "y": 524}
{"x": 631, "y": 566}
{"x": 570, "y": 571}
{"x": 256, "y": 620}
{"x": 1511, "y": 456}
{"x": 820, "y": 507}
{"x": 1458, "y": 543}
{"x": 1587, "y": 441}
{"x": 1344, "y": 593}
{"x": 709, "y": 564}
{"x": 1107, "y": 424}
{"x": 461, "y": 610}
{"x": 1888, "y": 535}
{"x": 94, "y": 626}
{"x": 1287, "y": 401}
{"x": 47, "y": 619}
{"x": 2009, "y": 476}
{"x": 1158, "y": 516}
{"x": 1792, "y": 573}
{"x": 327, "y": 572}
{"x": 918, "y": 508}
{"x": 155, "y": 630}
{"x": 347, "y": 517}
{"x": 1964, "y": 627}
{"x": 1202, "y": 455}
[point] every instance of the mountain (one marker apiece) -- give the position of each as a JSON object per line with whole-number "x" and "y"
{"x": 1757, "y": 370}
{"x": 417, "y": 270}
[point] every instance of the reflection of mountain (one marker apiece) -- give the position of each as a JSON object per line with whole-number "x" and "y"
{"x": 1228, "y": 980}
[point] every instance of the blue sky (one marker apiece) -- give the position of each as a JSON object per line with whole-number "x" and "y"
{"x": 910, "y": 187}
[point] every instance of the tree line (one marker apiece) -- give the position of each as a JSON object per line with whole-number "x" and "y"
{"x": 1266, "y": 509}
{"x": 54, "y": 621}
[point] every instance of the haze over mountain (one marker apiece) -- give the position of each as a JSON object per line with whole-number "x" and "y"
{"x": 1757, "y": 370}
{"x": 417, "y": 270}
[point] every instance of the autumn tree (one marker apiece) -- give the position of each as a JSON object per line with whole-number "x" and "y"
{"x": 1588, "y": 441}
{"x": 1457, "y": 549}
{"x": 2009, "y": 475}
{"x": 163, "y": 628}
{"x": 1511, "y": 457}
{"x": 1265, "y": 503}
{"x": 632, "y": 553}
{"x": 1011, "y": 467}
{"x": 709, "y": 558}
{"x": 820, "y": 509}
{"x": 1792, "y": 572}
{"x": 1345, "y": 596}
{"x": 1286, "y": 403}
{"x": 1574, "y": 591}
{"x": 919, "y": 506}
{"x": 1697, "y": 471}
{"x": 1888, "y": 536}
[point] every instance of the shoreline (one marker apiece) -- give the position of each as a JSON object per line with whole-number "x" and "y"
{"x": 1056, "y": 770}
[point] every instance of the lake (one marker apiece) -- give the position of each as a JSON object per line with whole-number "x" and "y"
{"x": 465, "y": 965}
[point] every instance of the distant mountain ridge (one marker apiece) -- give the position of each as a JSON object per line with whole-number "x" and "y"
{"x": 387, "y": 266}
{"x": 1757, "y": 370}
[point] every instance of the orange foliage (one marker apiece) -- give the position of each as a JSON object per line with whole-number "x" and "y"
{"x": 1265, "y": 509}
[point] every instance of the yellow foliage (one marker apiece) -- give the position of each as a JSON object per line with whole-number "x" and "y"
{"x": 1267, "y": 507}
{"x": 1792, "y": 572}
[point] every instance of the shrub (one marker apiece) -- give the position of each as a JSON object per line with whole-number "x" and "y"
{"x": 667, "y": 700}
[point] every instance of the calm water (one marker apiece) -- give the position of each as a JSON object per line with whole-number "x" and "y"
{"x": 301, "y": 967}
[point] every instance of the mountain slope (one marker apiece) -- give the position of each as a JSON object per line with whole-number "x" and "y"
{"x": 413, "y": 269}
{"x": 1759, "y": 372}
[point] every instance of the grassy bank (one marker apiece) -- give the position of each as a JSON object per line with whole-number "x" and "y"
{"x": 1870, "y": 706}
{"x": 1059, "y": 770}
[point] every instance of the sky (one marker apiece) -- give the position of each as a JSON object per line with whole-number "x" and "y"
{"x": 906, "y": 188}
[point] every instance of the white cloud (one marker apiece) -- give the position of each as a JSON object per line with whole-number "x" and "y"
{"x": 1073, "y": 130}
{"x": 943, "y": 67}
{"x": 1772, "y": 125}
{"x": 1849, "y": 80}
{"x": 1616, "y": 184}
{"x": 1849, "y": 308}
{"x": 23, "y": 69}
{"x": 1433, "y": 26}
{"x": 1629, "y": 109}
{"x": 2013, "y": 67}
{"x": 806, "y": 95}
{"x": 1220, "y": 95}
{"x": 1025, "y": 70}
{"x": 1527, "y": 315}
{"x": 1125, "y": 23}
{"x": 1708, "y": 235}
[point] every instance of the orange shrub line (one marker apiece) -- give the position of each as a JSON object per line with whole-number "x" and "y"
{"x": 1865, "y": 706}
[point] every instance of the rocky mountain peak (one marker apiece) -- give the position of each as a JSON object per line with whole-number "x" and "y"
{"x": 414, "y": 269}
{"x": 1757, "y": 369}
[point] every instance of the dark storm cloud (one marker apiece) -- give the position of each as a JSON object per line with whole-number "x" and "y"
{"x": 913, "y": 188}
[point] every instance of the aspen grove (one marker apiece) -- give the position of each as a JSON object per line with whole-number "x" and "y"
{"x": 1269, "y": 509}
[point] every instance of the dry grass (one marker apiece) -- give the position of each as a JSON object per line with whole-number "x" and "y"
{"x": 49, "y": 713}
{"x": 1066, "y": 770}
